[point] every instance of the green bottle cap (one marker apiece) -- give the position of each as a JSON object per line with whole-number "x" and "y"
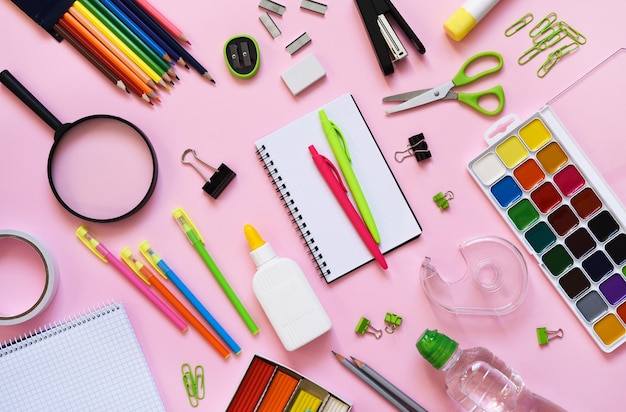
{"x": 436, "y": 347}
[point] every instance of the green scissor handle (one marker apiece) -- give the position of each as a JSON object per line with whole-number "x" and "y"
{"x": 461, "y": 78}
{"x": 473, "y": 99}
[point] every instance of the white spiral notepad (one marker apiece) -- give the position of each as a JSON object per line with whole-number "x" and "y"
{"x": 92, "y": 362}
{"x": 324, "y": 227}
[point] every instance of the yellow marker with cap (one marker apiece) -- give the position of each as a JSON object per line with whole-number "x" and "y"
{"x": 466, "y": 17}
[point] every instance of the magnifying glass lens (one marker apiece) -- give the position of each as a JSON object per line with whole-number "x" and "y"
{"x": 102, "y": 168}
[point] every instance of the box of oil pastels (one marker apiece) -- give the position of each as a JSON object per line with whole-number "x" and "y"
{"x": 557, "y": 179}
{"x": 270, "y": 387}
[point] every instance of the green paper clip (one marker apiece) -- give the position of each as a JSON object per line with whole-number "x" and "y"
{"x": 544, "y": 335}
{"x": 194, "y": 383}
{"x": 392, "y": 321}
{"x": 442, "y": 199}
{"x": 364, "y": 327}
{"x": 518, "y": 25}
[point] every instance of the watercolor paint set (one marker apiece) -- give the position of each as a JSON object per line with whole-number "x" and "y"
{"x": 563, "y": 194}
{"x": 563, "y": 211}
{"x": 270, "y": 387}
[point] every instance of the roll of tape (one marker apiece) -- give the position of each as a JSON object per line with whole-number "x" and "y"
{"x": 50, "y": 285}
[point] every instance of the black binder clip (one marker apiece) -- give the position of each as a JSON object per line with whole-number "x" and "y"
{"x": 417, "y": 147}
{"x": 386, "y": 43}
{"x": 222, "y": 176}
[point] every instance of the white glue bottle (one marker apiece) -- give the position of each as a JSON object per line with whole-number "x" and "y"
{"x": 285, "y": 295}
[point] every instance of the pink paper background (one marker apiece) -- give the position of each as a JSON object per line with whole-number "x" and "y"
{"x": 222, "y": 121}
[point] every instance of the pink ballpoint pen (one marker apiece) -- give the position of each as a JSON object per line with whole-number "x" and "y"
{"x": 104, "y": 254}
{"x": 331, "y": 175}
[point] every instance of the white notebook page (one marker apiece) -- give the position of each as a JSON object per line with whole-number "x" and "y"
{"x": 341, "y": 248}
{"x": 91, "y": 363}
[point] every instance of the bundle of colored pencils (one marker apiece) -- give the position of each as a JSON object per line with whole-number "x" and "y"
{"x": 130, "y": 42}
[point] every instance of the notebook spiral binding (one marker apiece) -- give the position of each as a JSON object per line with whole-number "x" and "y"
{"x": 288, "y": 203}
{"x": 59, "y": 326}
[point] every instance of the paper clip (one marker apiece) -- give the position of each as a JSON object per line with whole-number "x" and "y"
{"x": 393, "y": 321}
{"x": 543, "y": 25}
{"x": 364, "y": 327}
{"x": 222, "y": 176}
{"x": 555, "y": 56}
{"x": 518, "y": 25}
{"x": 443, "y": 199}
{"x": 194, "y": 383}
{"x": 544, "y": 335}
{"x": 550, "y": 37}
{"x": 532, "y": 52}
{"x": 571, "y": 32}
{"x": 417, "y": 147}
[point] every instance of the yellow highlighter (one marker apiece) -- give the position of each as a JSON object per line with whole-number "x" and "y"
{"x": 340, "y": 150}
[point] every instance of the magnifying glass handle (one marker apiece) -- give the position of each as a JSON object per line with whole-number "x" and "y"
{"x": 31, "y": 101}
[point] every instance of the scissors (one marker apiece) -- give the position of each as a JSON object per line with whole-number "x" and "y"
{"x": 444, "y": 92}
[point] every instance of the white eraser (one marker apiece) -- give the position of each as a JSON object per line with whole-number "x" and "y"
{"x": 303, "y": 74}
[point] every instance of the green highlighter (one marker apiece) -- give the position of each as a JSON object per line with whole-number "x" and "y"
{"x": 340, "y": 149}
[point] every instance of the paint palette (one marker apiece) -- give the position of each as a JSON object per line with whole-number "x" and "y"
{"x": 270, "y": 387}
{"x": 563, "y": 211}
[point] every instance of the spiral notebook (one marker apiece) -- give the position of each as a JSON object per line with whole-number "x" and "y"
{"x": 91, "y": 362}
{"x": 326, "y": 231}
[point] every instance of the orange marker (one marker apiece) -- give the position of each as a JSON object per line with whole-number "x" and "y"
{"x": 149, "y": 278}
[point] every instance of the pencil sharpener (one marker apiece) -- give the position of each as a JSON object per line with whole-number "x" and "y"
{"x": 242, "y": 55}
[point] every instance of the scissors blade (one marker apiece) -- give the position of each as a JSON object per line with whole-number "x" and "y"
{"x": 429, "y": 96}
{"x": 403, "y": 97}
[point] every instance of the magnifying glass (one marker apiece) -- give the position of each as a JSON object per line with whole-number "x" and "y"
{"x": 101, "y": 168}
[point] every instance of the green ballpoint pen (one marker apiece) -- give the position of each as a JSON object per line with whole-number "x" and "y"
{"x": 198, "y": 243}
{"x": 340, "y": 149}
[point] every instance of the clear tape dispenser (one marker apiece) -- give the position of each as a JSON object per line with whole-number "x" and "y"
{"x": 494, "y": 283}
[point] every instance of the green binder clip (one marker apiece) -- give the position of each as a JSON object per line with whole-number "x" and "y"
{"x": 443, "y": 199}
{"x": 392, "y": 321}
{"x": 544, "y": 335}
{"x": 194, "y": 383}
{"x": 364, "y": 327}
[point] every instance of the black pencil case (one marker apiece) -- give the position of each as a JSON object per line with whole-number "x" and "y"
{"x": 46, "y": 13}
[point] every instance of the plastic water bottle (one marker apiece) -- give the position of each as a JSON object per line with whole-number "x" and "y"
{"x": 478, "y": 380}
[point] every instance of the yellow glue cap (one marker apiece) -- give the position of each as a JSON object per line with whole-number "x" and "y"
{"x": 252, "y": 236}
{"x": 459, "y": 24}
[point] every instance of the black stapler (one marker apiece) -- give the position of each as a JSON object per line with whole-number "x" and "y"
{"x": 386, "y": 43}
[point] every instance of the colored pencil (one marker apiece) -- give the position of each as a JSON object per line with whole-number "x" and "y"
{"x": 74, "y": 15}
{"x": 164, "y": 21}
{"x": 129, "y": 38}
{"x": 108, "y": 70}
{"x": 78, "y": 9}
{"x": 390, "y": 387}
{"x": 148, "y": 40}
{"x": 168, "y": 39}
{"x": 133, "y": 82}
{"x": 122, "y": 7}
{"x": 371, "y": 383}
